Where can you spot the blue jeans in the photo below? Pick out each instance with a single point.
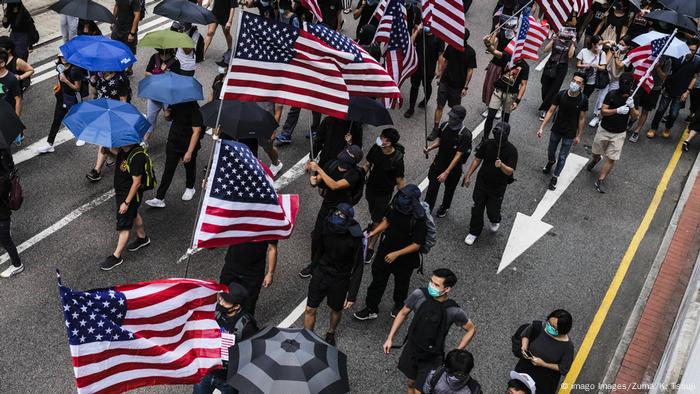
(666, 101)
(213, 380)
(554, 139)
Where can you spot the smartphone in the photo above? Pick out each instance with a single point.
(528, 354)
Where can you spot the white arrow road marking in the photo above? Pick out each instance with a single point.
(540, 66)
(529, 229)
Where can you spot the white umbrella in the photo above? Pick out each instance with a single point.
(676, 48)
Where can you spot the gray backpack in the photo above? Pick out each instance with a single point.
(430, 227)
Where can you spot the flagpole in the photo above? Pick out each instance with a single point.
(425, 93)
(511, 17)
(653, 64)
(191, 249)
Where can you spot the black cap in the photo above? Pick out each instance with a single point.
(458, 112)
(351, 154)
(237, 294)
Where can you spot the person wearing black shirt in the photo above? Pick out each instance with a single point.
(433, 49)
(331, 10)
(130, 168)
(676, 90)
(403, 230)
(7, 166)
(496, 44)
(508, 90)
(127, 15)
(332, 136)
(454, 144)
(569, 112)
(18, 19)
(562, 48)
(338, 268)
(183, 145)
(498, 159)
(336, 181)
(455, 70)
(223, 10)
(11, 87)
(617, 109)
(162, 61)
(364, 11)
(245, 264)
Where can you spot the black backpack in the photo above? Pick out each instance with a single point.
(429, 326)
(464, 134)
(515, 339)
(473, 385)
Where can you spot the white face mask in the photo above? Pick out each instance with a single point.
(509, 34)
(379, 142)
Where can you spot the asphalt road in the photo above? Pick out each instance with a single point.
(571, 267)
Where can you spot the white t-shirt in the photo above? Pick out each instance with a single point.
(187, 62)
(586, 56)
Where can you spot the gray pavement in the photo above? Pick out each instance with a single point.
(569, 268)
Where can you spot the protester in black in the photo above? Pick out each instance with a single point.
(223, 10)
(425, 341)
(11, 88)
(403, 231)
(7, 166)
(508, 90)
(498, 159)
(496, 44)
(130, 169)
(246, 263)
(332, 136)
(385, 169)
(455, 70)
(569, 112)
(454, 376)
(336, 182)
(429, 48)
(331, 10)
(364, 11)
(454, 144)
(337, 269)
(22, 29)
(183, 145)
(562, 48)
(127, 15)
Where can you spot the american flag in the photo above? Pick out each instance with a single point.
(642, 57)
(144, 334)
(558, 11)
(530, 37)
(446, 20)
(240, 203)
(317, 69)
(312, 5)
(400, 57)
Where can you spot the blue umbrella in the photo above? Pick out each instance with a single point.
(98, 53)
(107, 122)
(170, 88)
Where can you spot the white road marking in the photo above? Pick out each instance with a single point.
(60, 224)
(294, 316)
(30, 152)
(540, 66)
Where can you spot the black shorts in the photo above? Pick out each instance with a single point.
(415, 365)
(647, 101)
(333, 288)
(378, 205)
(448, 94)
(125, 221)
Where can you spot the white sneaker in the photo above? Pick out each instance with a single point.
(45, 149)
(495, 227)
(144, 144)
(485, 113)
(188, 194)
(157, 202)
(469, 240)
(499, 114)
(594, 122)
(276, 168)
(79, 143)
(12, 271)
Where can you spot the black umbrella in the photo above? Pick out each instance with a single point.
(672, 18)
(83, 9)
(690, 8)
(240, 119)
(11, 125)
(184, 11)
(287, 360)
(10, 1)
(369, 111)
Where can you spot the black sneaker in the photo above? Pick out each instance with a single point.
(306, 272)
(138, 243)
(395, 311)
(591, 164)
(421, 104)
(330, 338)
(370, 254)
(433, 134)
(110, 162)
(685, 146)
(600, 186)
(365, 314)
(110, 262)
(548, 167)
(442, 212)
(93, 176)
(409, 112)
(552, 183)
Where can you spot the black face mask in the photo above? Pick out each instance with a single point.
(222, 312)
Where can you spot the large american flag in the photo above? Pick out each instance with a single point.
(445, 18)
(144, 334)
(312, 5)
(642, 57)
(400, 57)
(316, 69)
(530, 37)
(240, 203)
(558, 11)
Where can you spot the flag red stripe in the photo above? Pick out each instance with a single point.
(264, 72)
(158, 297)
(135, 286)
(281, 99)
(227, 241)
(233, 213)
(153, 381)
(173, 313)
(216, 229)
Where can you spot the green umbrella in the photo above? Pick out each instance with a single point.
(163, 39)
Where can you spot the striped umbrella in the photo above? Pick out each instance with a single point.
(287, 360)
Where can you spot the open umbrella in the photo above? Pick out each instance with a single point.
(240, 119)
(98, 53)
(676, 48)
(672, 18)
(83, 9)
(368, 111)
(163, 39)
(106, 122)
(184, 11)
(10, 1)
(11, 125)
(170, 88)
(287, 360)
(690, 8)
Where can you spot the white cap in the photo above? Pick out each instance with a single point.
(525, 379)
(59, 54)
